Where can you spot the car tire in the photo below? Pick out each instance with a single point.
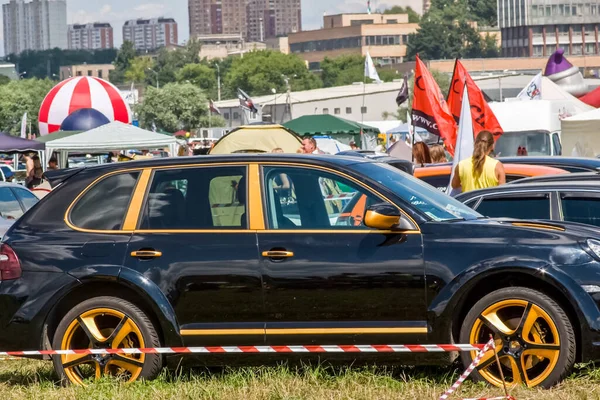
(533, 336)
(106, 322)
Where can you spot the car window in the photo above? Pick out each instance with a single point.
(439, 182)
(582, 209)
(313, 199)
(471, 203)
(104, 205)
(557, 144)
(196, 198)
(537, 207)
(9, 205)
(27, 198)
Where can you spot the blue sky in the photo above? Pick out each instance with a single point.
(118, 11)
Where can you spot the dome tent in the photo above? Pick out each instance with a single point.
(257, 139)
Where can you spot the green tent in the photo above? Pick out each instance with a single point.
(325, 124)
(56, 135)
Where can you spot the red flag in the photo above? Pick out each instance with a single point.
(430, 111)
(483, 116)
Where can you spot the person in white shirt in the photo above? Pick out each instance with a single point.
(309, 146)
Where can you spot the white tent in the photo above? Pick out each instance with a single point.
(581, 134)
(113, 136)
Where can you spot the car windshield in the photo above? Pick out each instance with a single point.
(425, 198)
(536, 143)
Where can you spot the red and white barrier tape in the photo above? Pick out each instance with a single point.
(376, 348)
(489, 345)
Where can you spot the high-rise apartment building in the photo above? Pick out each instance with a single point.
(273, 18)
(98, 35)
(37, 25)
(151, 34)
(210, 17)
(538, 27)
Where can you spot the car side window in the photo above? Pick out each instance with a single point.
(439, 182)
(9, 205)
(557, 144)
(522, 207)
(578, 207)
(303, 198)
(196, 198)
(26, 197)
(104, 205)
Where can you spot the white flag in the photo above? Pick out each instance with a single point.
(533, 91)
(370, 71)
(464, 141)
(24, 126)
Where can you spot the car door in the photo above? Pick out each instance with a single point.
(332, 280)
(533, 205)
(580, 206)
(193, 241)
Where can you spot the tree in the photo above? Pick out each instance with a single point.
(173, 107)
(122, 62)
(490, 46)
(138, 69)
(484, 11)
(19, 97)
(445, 33)
(200, 75)
(342, 70)
(258, 72)
(413, 17)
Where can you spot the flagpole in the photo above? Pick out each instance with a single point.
(362, 114)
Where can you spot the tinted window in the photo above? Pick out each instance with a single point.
(27, 198)
(438, 182)
(312, 199)
(516, 207)
(9, 205)
(196, 198)
(103, 207)
(557, 144)
(585, 210)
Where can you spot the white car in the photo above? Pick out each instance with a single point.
(15, 200)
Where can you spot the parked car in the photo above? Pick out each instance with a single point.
(202, 251)
(570, 164)
(438, 175)
(403, 165)
(561, 201)
(15, 200)
(536, 143)
(573, 177)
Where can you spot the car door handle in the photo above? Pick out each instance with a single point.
(146, 254)
(278, 254)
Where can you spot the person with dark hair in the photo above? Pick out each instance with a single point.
(480, 170)
(53, 163)
(34, 177)
(421, 154)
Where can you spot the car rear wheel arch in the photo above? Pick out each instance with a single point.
(490, 283)
(89, 290)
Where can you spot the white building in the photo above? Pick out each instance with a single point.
(37, 25)
(98, 35)
(356, 102)
(150, 34)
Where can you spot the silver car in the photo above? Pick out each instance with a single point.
(15, 200)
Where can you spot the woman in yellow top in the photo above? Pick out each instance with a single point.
(480, 170)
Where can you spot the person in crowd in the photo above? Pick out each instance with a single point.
(421, 154)
(309, 146)
(34, 178)
(438, 154)
(480, 170)
(28, 158)
(353, 145)
(53, 163)
(282, 182)
(380, 148)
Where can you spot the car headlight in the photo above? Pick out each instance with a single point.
(594, 246)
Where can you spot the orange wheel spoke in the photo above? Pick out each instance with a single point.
(88, 324)
(131, 365)
(518, 371)
(72, 360)
(493, 321)
(489, 358)
(530, 316)
(124, 329)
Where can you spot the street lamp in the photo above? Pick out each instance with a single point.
(218, 82)
(155, 73)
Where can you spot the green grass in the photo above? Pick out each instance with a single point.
(24, 379)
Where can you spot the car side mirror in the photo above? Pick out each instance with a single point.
(384, 216)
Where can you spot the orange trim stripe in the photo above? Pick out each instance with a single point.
(301, 331)
(137, 201)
